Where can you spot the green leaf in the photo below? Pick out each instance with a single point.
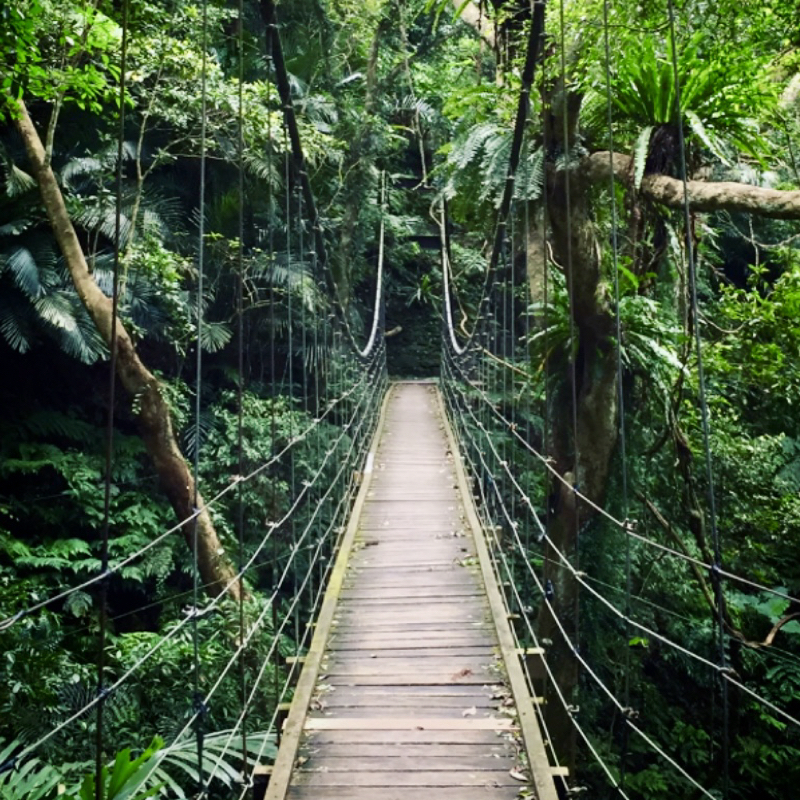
(641, 151)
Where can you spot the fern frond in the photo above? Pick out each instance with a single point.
(640, 153)
(214, 336)
(709, 139)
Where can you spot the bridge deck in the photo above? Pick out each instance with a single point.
(410, 693)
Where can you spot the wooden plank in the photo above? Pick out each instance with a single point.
(421, 692)
(398, 723)
(454, 667)
(388, 761)
(385, 651)
(385, 706)
(374, 641)
(432, 710)
(395, 736)
(406, 793)
(485, 779)
(404, 679)
(450, 750)
(470, 614)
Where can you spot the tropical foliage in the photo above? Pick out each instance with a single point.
(406, 89)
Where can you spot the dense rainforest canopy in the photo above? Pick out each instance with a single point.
(649, 346)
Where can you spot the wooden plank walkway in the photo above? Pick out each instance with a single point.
(409, 691)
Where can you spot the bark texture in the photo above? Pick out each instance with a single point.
(154, 417)
(703, 195)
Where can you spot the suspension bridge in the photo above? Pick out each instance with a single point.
(418, 664)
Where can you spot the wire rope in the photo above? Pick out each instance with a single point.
(722, 670)
(111, 413)
(574, 341)
(704, 413)
(240, 368)
(234, 483)
(584, 663)
(195, 632)
(195, 612)
(620, 386)
(627, 526)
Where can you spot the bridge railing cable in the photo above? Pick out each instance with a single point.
(498, 504)
(235, 483)
(511, 428)
(492, 482)
(581, 577)
(355, 429)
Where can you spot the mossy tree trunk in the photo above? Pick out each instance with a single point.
(153, 413)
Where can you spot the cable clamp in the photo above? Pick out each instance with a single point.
(630, 525)
(199, 705)
(630, 713)
(8, 765)
(13, 620)
(193, 612)
(103, 693)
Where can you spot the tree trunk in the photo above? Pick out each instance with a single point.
(154, 417)
(582, 447)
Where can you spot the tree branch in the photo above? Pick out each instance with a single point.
(703, 195)
(471, 14)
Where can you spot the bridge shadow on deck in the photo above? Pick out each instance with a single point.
(406, 690)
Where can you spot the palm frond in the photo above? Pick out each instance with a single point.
(24, 270)
(214, 336)
(16, 324)
(34, 780)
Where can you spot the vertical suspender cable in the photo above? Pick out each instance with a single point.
(290, 365)
(620, 390)
(304, 341)
(546, 443)
(240, 385)
(198, 698)
(712, 511)
(271, 205)
(567, 155)
(109, 444)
